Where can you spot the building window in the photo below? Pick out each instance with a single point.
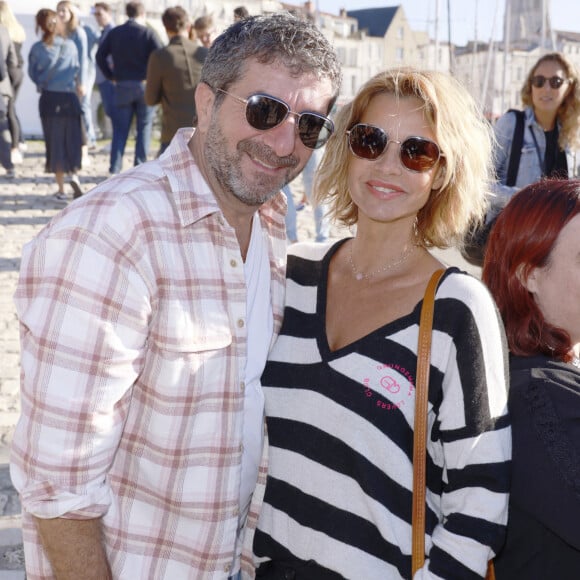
(401, 32)
(400, 54)
(352, 57)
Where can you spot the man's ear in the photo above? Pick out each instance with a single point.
(204, 99)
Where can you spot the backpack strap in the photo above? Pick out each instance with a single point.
(516, 148)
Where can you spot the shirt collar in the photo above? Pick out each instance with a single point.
(193, 196)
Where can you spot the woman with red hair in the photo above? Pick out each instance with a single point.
(532, 268)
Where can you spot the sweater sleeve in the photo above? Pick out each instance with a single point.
(470, 432)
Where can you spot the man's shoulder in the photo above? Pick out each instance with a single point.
(200, 53)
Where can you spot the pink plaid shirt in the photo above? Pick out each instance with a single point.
(132, 307)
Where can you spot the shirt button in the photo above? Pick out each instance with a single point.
(242, 386)
(241, 323)
(236, 512)
(227, 567)
(220, 220)
(233, 263)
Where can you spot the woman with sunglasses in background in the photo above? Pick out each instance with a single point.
(408, 165)
(532, 269)
(551, 99)
(537, 142)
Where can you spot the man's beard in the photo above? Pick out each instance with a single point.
(227, 169)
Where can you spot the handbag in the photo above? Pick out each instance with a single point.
(420, 428)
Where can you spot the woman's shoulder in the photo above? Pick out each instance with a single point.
(540, 369)
(463, 286)
(79, 33)
(37, 47)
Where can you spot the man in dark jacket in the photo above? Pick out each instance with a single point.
(172, 75)
(129, 46)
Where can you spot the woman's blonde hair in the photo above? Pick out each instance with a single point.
(73, 23)
(569, 111)
(15, 29)
(462, 133)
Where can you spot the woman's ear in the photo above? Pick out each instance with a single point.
(529, 281)
(204, 99)
(439, 176)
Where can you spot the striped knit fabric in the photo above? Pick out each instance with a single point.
(340, 425)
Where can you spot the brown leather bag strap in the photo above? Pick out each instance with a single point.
(420, 428)
(420, 425)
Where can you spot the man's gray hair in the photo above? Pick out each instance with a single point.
(280, 37)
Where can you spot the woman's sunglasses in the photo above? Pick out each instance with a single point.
(556, 82)
(370, 142)
(264, 112)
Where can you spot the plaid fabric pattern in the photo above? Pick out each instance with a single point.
(132, 310)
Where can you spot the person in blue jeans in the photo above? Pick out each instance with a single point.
(129, 45)
(321, 219)
(104, 18)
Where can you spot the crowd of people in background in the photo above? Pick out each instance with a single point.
(110, 73)
(134, 88)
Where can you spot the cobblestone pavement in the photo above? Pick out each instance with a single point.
(27, 203)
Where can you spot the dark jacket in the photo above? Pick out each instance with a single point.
(129, 45)
(543, 537)
(172, 75)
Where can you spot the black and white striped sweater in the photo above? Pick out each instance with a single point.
(340, 427)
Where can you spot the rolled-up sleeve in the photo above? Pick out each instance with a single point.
(83, 324)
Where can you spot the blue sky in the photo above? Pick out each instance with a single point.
(565, 15)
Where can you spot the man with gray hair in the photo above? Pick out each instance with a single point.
(147, 311)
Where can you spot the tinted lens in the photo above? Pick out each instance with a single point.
(540, 80)
(419, 154)
(314, 130)
(263, 112)
(367, 142)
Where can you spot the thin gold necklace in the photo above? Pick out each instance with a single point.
(368, 275)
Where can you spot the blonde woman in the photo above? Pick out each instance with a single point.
(68, 13)
(17, 36)
(408, 165)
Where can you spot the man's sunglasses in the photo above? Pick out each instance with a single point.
(264, 112)
(556, 82)
(370, 142)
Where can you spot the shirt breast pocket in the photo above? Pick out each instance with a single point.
(183, 328)
(188, 373)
